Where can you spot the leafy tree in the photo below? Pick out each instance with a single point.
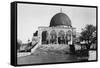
(19, 43)
(87, 35)
(35, 34)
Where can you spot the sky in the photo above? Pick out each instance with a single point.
(31, 16)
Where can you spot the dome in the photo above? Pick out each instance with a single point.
(60, 19)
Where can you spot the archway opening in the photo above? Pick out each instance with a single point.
(61, 37)
(44, 37)
(53, 39)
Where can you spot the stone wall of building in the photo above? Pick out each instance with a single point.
(66, 30)
(54, 46)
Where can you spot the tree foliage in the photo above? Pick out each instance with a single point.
(35, 34)
(19, 43)
(87, 35)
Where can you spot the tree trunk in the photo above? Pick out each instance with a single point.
(88, 48)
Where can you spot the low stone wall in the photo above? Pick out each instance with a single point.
(21, 54)
(92, 55)
(55, 47)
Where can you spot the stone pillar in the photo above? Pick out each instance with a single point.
(71, 38)
(57, 38)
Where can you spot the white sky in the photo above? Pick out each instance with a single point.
(30, 16)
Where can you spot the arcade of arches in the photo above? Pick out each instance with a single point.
(55, 36)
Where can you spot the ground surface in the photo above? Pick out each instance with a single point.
(52, 57)
(32, 59)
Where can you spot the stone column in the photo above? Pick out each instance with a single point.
(71, 39)
(39, 35)
(57, 38)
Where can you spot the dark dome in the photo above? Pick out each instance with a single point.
(60, 19)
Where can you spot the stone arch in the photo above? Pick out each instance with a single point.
(44, 37)
(69, 32)
(61, 37)
(53, 37)
(68, 35)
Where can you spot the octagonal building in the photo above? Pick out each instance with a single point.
(59, 34)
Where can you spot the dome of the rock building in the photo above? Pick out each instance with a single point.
(60, 19)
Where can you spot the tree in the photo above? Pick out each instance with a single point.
(87, 35)
(19, 43)
(35, 34)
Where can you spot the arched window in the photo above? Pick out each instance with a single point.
(53, 37)
(61, 37)
(44, 37)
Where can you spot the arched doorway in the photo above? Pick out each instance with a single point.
(61, 37)
(53, 37)
(68, 36)
(44, 37)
